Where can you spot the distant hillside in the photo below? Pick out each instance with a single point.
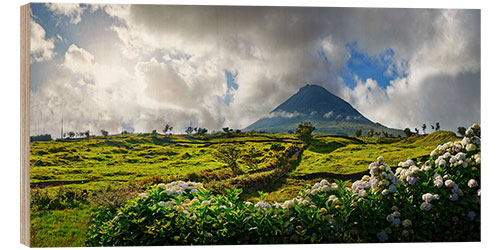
(327, 112)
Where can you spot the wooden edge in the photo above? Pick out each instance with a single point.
(25, 123)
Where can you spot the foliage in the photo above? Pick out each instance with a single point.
(359, 132)
(201, 131)
(370, 132)
(408, 132)
(461, 131)
(229, 155)
(251, 157)
(435, 200)
(167, 128)
(104, 133)
(304, 132)
(63, 198)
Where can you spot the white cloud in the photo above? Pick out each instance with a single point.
(283, 114)
(328, 114)
(78, 60)
(72, 10)
(41, 48)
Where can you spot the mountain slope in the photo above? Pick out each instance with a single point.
(328, 113)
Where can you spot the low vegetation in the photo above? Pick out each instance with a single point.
(105, 174)
(433, 200)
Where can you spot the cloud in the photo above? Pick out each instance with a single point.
(328, 114)
(41, 49)
(78, 60)
(72, 10)
(283, 114)
(174, 60)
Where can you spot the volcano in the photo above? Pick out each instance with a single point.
(329, 113)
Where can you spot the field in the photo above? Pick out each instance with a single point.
(73, 178)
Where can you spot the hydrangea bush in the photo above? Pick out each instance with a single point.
(433, 200)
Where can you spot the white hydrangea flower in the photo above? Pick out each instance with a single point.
(382, 236)
(470, 147)
(425, 206)
(469, 131)
(380, 159)
(289, 204)
(392, 188)
(472, 183)
(428, 197)
(449, 183)
(362, 193)
(325, 188)
(406, 223)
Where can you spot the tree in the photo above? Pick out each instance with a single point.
(87, 134)
(201, 131)
(359, 132)
(124, 132)
(189, 130)
(370, 132)
(229, 155)
(407, 132)
(167, 128)
(461, 131)
(304, 132)
(104, 133)
(226, 130)
(438, 127)
(71, 134)
(416, 131)
(424, 127)
(432, 126)
(154, 132)
(386, 134)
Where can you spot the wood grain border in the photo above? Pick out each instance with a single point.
(25, 124)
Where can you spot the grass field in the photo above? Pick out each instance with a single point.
(113, 169)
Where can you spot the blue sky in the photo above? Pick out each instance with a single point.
(137, 67)
(379, 67)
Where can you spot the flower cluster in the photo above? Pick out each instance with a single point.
(178, 187)
(381, 179)
(427, 198)
(394, 218)
(262, 205)
(321, 187)
(408, 171)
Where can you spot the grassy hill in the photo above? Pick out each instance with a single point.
(73, 178)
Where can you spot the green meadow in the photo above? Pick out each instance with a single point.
(73, 178)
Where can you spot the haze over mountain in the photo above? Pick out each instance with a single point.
(329, 114)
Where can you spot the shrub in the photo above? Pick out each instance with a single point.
(304, 132)
(230, 156)
(63, 198)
